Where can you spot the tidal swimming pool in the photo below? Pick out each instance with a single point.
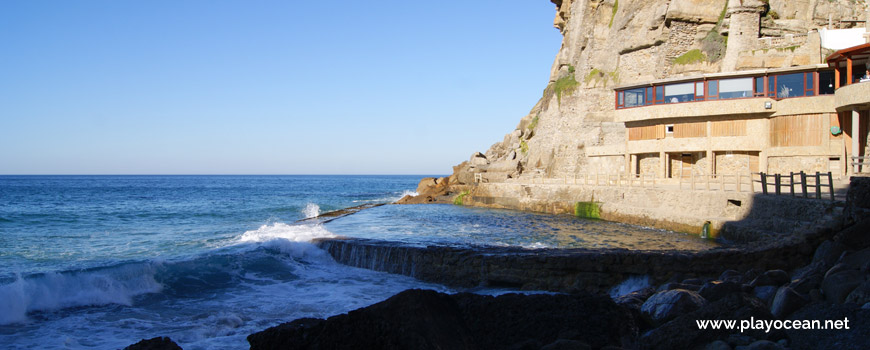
(452, 225)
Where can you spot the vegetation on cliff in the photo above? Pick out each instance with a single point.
(459, 198)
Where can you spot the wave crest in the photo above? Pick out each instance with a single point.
(52, 291)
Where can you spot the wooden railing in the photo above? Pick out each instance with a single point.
(861, 164)
(718, 182)
(800, 181)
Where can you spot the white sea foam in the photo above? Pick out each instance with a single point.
(631, 284)
(53, 291)
(292, 233)
(311, 210)
(409, 193)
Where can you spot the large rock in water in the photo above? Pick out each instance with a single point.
(159, 343)
(420, 319)
(667, 305)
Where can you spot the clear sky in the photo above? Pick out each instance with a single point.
(265, 87)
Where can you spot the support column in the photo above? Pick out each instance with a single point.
(856, 136)
(711, 163)
(849, 70)
(663, 162)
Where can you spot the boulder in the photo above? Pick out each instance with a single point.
(478, 159)
(856, 236)
(715, 290)
(667, 305)
(855, 338)
(786, 301)
(765, 293)
(860, 295)
(682, 332)
(670, 286)
(857, 260)
(858, 200)
(566, 344)
(839, 282)
(828, 253)
(718, 345)
(761, 345)
(422, 319)
(159, 343)
(731, 276)
(635, 300)
(770, 278)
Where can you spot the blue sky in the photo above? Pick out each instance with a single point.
(265, 87)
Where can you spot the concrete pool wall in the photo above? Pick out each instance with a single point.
(736, 216)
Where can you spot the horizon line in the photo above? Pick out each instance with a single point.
(240, 174)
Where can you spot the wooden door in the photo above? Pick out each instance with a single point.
(686, 165)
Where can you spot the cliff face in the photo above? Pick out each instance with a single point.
(614, 42)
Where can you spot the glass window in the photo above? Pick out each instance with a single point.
(790, 85)
(699, 89)
(771, 86)
(634, 97)
(826, 82)
(809, 82)
(759, 86)
(649, 96)
(620, 98)
(660, 94)
(735, 88)
(675, 93)
(712, 89)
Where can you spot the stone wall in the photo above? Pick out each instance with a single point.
(738, 216)
(558, 270)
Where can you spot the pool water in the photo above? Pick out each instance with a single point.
(452, 225)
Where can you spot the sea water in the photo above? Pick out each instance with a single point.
(104, 261)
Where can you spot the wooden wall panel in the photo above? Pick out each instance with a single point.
(651, 132)
(690, 130)
(798, 130)
(729, 128)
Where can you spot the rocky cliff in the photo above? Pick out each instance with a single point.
(571, 130)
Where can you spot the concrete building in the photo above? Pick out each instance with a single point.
(811, 116)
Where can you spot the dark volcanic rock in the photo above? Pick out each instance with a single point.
(667, 305)
(765, 293)
(682, 332)
(159, 343)
(856, 337)
(419, 319)
(786, 301)
(635, 300)
(838, 283)
(771, 278)
(860, 295)
(715, 290)
(731, 276)
(761, 345)
(828, 253)
(672, 286)
(414, 319)
(856, 236)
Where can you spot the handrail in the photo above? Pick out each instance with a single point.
(804, 185)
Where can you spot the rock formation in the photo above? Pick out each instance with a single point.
(571, 130)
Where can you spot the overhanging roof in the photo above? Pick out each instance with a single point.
(854, 52)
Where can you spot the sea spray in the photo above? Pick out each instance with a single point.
(58, 290)
(631, 284)
(311, 210)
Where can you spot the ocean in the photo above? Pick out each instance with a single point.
(104, 261)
